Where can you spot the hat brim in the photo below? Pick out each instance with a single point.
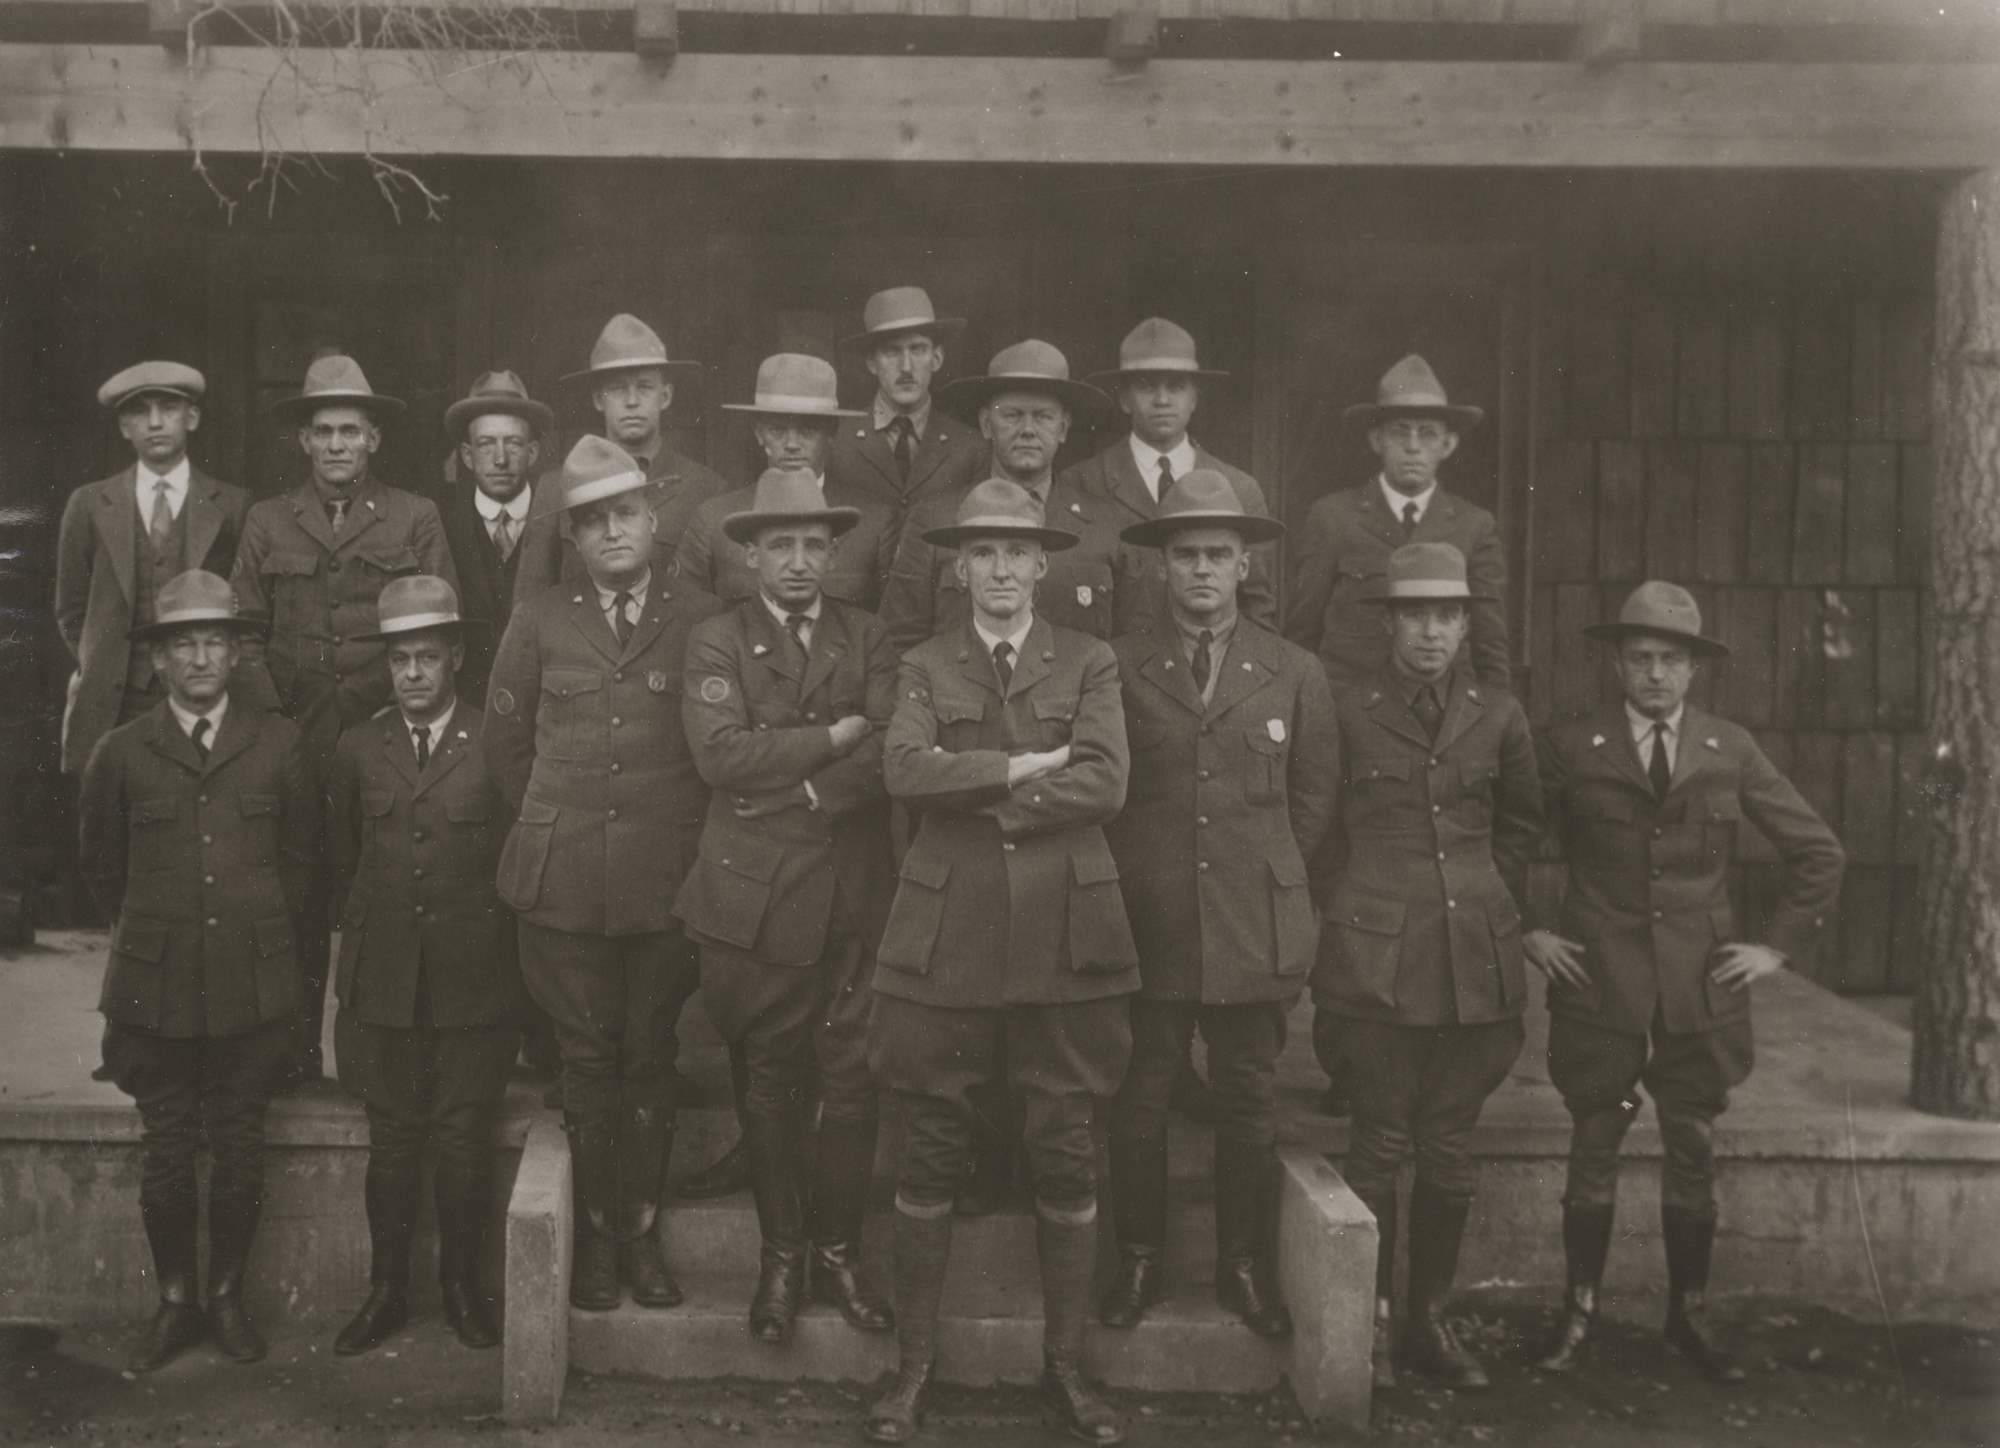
(305, 403)
(831, 414)
(677, 364)
(941, 329)
(1158, 532)
(598, 489)
(421, 626)
(1112, 376)
(1425, 593)
(153, 389)
(964, 397)
(1612, 633)
(166, 628)
(1367, 414)
(466, 408)
(1055, 540)
(745, 526)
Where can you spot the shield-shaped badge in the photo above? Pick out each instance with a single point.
(1276, 729)
(1083, 595)
(656, 680)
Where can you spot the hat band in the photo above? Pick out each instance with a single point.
(795, 404)
(1419, 588)
(902, 324)
(412, 622)
(617, 362)
(1001, 523)
(1159, 364)
(196, 613)
(605, 487)
(1414, 399)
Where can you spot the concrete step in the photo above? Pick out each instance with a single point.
(992, 1333)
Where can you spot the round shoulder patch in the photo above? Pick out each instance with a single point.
(714, 689)
(503, 701)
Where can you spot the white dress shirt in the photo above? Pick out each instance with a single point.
(1642, 735)
(515, 508)
(145, 481)
(435, 729)
(1015, 639)
(187, 719)
(607, 599)
(783, 615)
(1180, 455)
(1399, 501)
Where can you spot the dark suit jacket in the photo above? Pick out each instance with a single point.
(1007, 897)
(1113, 477)
(1344, 552)
(949, 458)
(96, 561)
(414, 857)
(207, 866)
(485, 585)
(1433, 841)
(757, 716)
(1649, 880)
(1227, 802)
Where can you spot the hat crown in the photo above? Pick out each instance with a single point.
(1157, 344)
(897, 307)
(501, 384)
(335, 375)
(1656, 604)
(598, 468)
(795, 381)
(1201, 491)
(627, 342)
(417, 600)
(1030, 359)
(1411, 383)
(787, 493)
(195, 596)
(1426, 564)
(176, 379)
(1001, 503)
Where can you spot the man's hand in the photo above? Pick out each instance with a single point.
(848, 732)
(758, 803)
(1027, 768)
(1740, 962)
(1559, 959)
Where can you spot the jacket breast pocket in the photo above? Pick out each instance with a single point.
(1100, 933)
(1264, 763)
(153, 848)
(260, 811)
(278, 991)
(572, 715)
(731, 890)
(390, 562)
(526, 856)
(910, 938)
(1368, 773)
(958, 720)
(1368, 938)
(1054, 719)
(1475, 780)
(1294, 925)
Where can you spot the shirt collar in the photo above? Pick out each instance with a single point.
(1219, 636)
(436, 725)
(1017, 638)
(920, 420)
(607, 596)
(185, 718)
(1399, 501)
(144, 479)
(515, 507)
(1181, 455)
(1408, 684)
(779, 612)
(1642, 727)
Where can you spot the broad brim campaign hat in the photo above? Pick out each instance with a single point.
(1201, 498)
(1663, 610)
(998, 508)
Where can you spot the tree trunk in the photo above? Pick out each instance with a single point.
(1955, 1070)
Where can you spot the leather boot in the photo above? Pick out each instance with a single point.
(1690, 1242)
(729, 1172)
(593, 1280)
(843, 1162)
(645, 1145)
(923, 1251)
(1382, 1350)
(1586, 1243)
(178, 1325)
(232, 1225)
(1139, 1208)
(774, 1183)
(1430, 1344)
(390, 1195)
(1245, 1179)
(462, 1207)
(1067, 1251)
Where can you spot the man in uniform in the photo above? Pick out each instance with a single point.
(1649, 979)
(425, 1033)
(315, 559)
(125, 535)
(787, 697)
(583, 733)
(904, 448)
(632, 388)
(1235, 764)
(1349, 535)
(1024, 406)
(200, 833)
(1157, 384)
(1420, 977)
(1007, 936)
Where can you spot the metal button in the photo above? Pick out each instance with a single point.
(616, 721)
(1656, 872)
(618, 676)
(208, 879)
(333, 566)
(611, 813)
(338, 640)
(1202, 866)
(418, 872)
(418, 836)
(616, 767)
(812, 718)
(213, 921)
(1659, 914)
(208, 839)
(1434, 764)
(1451, 904)
(1201, 819)
(1006, 844)
(1437, 809)
(1440, 854)
(1201, 774)
(201, 799)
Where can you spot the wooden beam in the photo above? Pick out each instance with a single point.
(898, 108)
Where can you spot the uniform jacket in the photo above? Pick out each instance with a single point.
(96, 562)
(1007, 896)
(585, 740)
(1226, 803)
(320, 593)
(207, 868)
(485, 583)
(546, 556)
(1648, 881)
(1432, 846)
(1113, 477)
(949, 458)
(757, 716)
(1345, 551)
(414, 856)
(709, 560)
(1084, 589)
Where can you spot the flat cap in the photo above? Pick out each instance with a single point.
(176, 379)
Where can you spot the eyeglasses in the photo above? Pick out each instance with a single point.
(512, 446)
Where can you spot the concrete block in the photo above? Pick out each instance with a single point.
(535, 1360)
(1326, 1264)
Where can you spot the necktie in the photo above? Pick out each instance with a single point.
(621, 626)
(503, 535)
(1429, 712)
(161, 524)
(1203, 663)
(421, 737)
(1656, 768)
(1410, 516)
(797, 622)
(200, 736)
(902, 442)
(1003, 664)
(1166, 478)
(336, 512)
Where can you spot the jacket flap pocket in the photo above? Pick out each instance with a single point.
(154, 811)
(1477, 771)
(1093, 867)
(293, 565)
(1057, 708)
(141, 940)
(257, 804)
(1376, 914)
(1289, 871)
(746, 856)
(377, 802)
(567, 683)
(469, 811)
(274, 936)
(1380, 769)
(921, 867)
(390, 560)
(1260, 738)
(955, 710)
(538, 812)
